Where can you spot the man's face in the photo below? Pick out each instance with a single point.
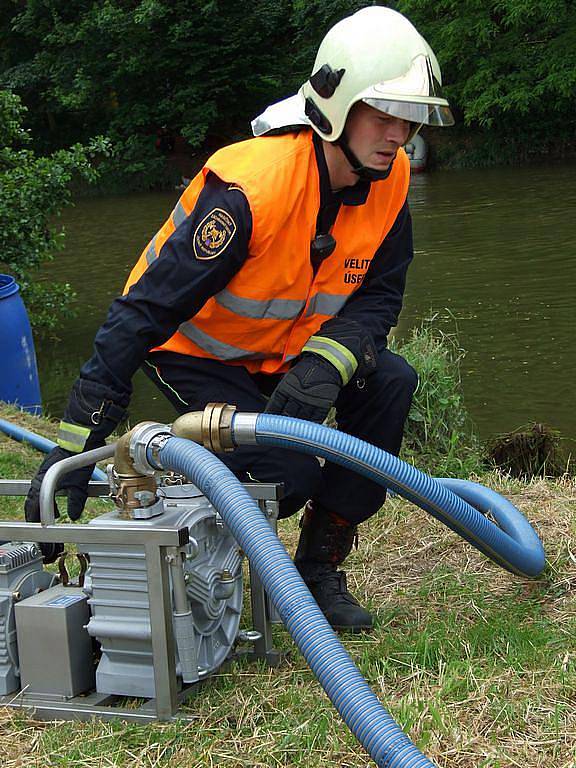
(374, 136)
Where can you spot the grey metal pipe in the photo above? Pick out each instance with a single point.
(21, 487)
(56, 471)
(98, 627)
(181, 604)
(184, 634)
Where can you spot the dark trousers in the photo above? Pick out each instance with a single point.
(374, 410)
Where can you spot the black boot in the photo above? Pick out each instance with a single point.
(325, 542)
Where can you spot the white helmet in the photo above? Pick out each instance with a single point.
(376, 56)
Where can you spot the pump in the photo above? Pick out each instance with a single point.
(163, 596)
(158, 608)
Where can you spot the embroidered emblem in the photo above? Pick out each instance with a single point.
(214, 234)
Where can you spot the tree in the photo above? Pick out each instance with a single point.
(33, 190)
(125, 69)
(201, 69)
(509, 65)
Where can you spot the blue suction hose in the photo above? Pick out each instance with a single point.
(459, 504)
(374, 728)
(39, 442)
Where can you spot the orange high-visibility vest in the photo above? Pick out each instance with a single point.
(272, 306)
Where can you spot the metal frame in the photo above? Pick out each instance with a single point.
(156, 543)
(264, 613)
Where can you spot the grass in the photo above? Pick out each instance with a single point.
(439, 436)
(477, 665)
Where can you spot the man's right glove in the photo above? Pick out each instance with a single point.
(93, 413)
(307, 391)
(340, 350)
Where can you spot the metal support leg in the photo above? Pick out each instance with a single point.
(263, 612)
(272, 508)
(163, 650)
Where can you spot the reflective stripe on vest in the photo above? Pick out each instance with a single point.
(151, 250)
(326, 304)
(179, 214)
(213, 346)
(275, 303)
(217, 348)
(273, 309)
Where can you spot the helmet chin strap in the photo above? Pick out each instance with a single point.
(362, 171)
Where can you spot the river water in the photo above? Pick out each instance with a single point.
(495, 262)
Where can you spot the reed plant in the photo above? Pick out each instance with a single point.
(440, 436)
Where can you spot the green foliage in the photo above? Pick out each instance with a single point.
(440, 437)
(204, 68)
(509, 66)
(33, 190)
(133, 165)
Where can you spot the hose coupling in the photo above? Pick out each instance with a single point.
(132, 476)
(211, 427)
(146, 439)
(131, 494)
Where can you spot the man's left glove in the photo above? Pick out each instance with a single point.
(340, 350)
(93, 413)
(76, 486)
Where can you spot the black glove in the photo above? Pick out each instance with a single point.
(74, 483)
(94, 411)
(329, 359)
(307, 391)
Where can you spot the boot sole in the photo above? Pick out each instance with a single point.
(355, 630)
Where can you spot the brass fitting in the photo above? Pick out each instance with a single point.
(123, 463)
(211, 427)
(130, 494)
(128, 481)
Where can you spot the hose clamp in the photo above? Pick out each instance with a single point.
(140, 442)
(244, 428)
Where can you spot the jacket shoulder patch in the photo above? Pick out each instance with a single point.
(214, 234)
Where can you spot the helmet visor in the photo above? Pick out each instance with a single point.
(421, 114)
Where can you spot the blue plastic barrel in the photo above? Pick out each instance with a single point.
(19, 373)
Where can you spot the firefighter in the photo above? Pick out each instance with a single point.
(273, 285)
